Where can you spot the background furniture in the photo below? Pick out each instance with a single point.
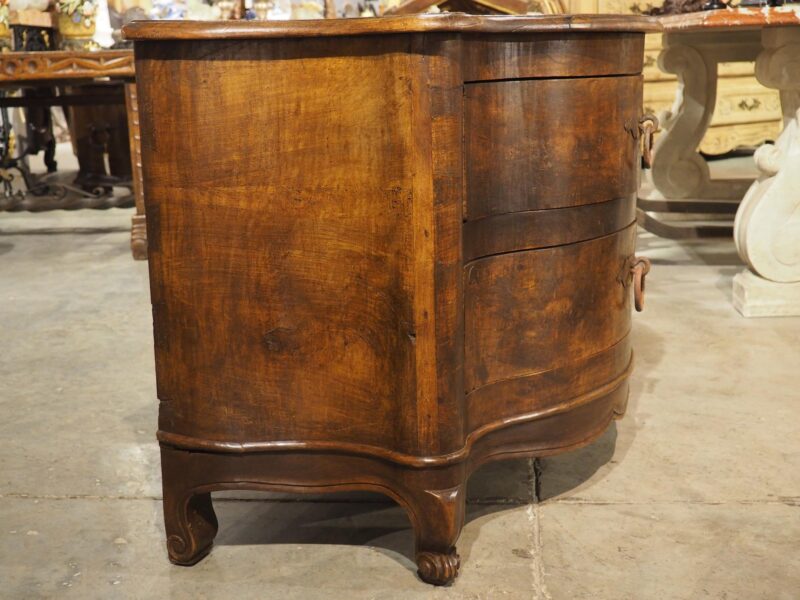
(77, 80)
(478, 7)
(415, 257)
(767, 227)
(744, 113)
(694, 44)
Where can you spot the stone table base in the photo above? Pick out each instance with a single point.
(757, 297)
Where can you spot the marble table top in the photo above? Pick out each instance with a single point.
(733, 18)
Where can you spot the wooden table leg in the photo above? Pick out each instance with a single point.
(138, 228)
(678, 169)
(767, 228)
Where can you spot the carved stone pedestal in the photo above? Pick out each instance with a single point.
(695, 45)
(754, 296)
(767, 227)
(679, 171)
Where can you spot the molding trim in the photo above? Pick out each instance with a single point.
(185, 442)
(17, 67)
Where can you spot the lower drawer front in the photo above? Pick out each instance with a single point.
(531, 312)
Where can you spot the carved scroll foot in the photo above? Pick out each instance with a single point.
(438, 516)
(139, 238)
(438, 568)
(189, 518)
(191, 526)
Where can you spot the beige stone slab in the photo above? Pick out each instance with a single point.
(714, 404)
(671, 551)
(100, 549)
(754, 296)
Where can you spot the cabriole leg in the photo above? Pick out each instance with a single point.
(189, 518)
(438, 516)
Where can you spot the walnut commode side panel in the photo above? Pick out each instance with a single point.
(385, 254)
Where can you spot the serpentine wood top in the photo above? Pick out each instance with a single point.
(20, 67)
(733, 18)
(449, 22)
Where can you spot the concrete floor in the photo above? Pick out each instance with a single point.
(694, 494)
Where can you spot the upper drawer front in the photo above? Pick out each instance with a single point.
(495, 57)
(550, 143)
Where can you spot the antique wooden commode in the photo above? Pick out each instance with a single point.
(384, 252)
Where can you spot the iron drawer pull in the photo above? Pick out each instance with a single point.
(639, 269)
(648, 125)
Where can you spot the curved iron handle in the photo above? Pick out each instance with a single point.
(648, 125)
(640, 267)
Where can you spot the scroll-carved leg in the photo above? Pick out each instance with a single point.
(434, 498)
(438, 518)
(139, 237)
(138, 231)
(767, 228)
(189, 518)
(191, 526)
(678, 169)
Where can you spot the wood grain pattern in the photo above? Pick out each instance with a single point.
(528, 230)
(552, 390)
(424, 23)
(514, 56)
(307, 237)
(445, 81)
(326, 314)
(528, 144)
(528, 312)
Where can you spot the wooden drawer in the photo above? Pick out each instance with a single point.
(724, 138)
(499, 57)
(744, 100)
(531, 229)
(550, 143)
(528, 313)
(746, 114)
(651, 70)
(622, 7)
(659, 96)
(739, 100)
(736, 69)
